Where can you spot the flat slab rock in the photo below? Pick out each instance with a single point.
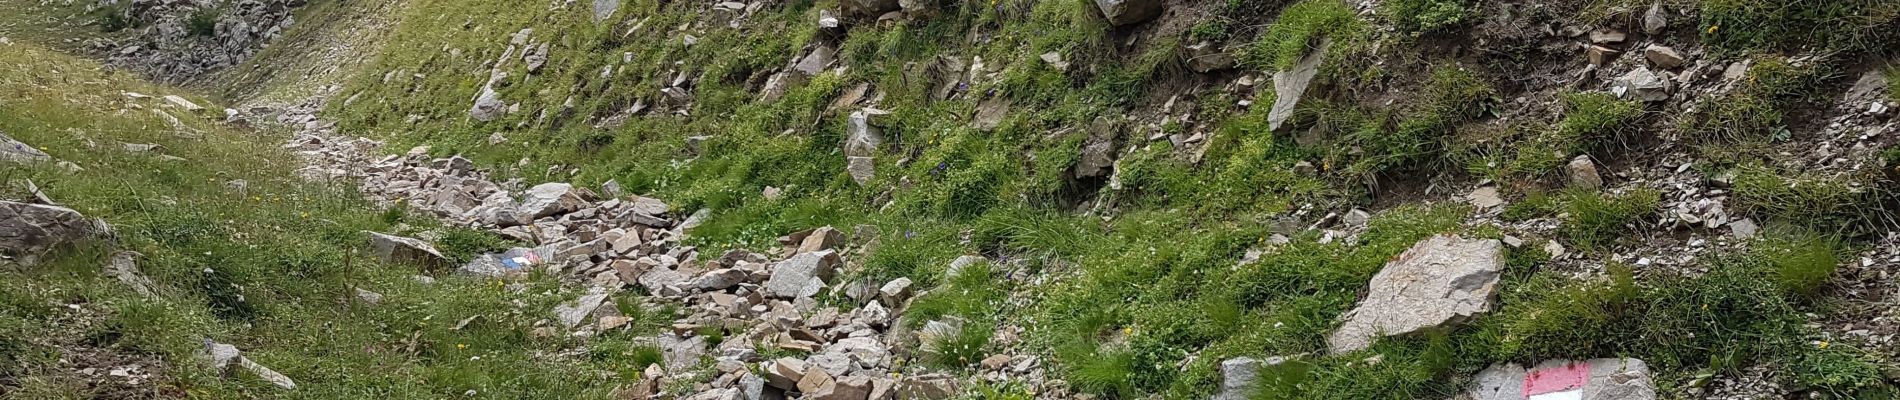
(1440, 281)
(1596, 379)
(29, 230)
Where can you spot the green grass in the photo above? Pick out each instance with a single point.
(1300, 27)
(1422, 16)
(1826, 203)
(268, 269)
(1736, 27)
(1759, 109)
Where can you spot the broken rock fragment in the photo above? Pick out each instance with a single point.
(28, 231)
(803, 275)
(1440, 281)
(405, 250)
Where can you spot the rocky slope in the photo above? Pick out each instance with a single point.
(1106, 199)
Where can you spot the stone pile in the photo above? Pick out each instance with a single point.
(177, 41)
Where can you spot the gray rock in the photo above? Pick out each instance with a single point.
(680, 353)
(895, 292)
(990, 113)
(1485, 197)
(1866, 89)
(956, 266)
(1655, 20)
(1238, 375)
(1440, 281)
(28, 231)
(222, 356)
(1643, 84)
(574, 313)
(604, 9)
(488, 104)
(1207, 56)
(823, 238)
(719, 279)
(1662, 56)
(931, 386)
(1583, 173)
(844, 388)
(1290, 84)
(406, 250)
(1097, 158)
(549, 199)
(1129, 12)
(657, 279)
(814, 63)
(124, 266)
(536, 57)
(861, 169)
(862, 139)
(16, 151)
(803, 275)
(1596, 379)
(369, 296)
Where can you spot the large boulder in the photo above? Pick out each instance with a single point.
(1596, 379)
(400, 249)
(803, 275)
(28, 231)
(1129, 12)
(1440, 281)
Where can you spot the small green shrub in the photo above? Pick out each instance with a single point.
(1552, 317)
(1422, 16)
(1596, 219)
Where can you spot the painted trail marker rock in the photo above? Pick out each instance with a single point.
(1595, 379)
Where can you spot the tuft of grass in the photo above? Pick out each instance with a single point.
(1803, 262)
(1824, 203)
(1424, 16)
(1596, 219)
(1758, 110)
(1743, 26)
(1300, 27)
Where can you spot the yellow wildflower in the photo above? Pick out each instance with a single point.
(461, 346)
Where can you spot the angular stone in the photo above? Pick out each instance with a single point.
(1129, 12)
(815, 62)
(16, 151)
(720, 279)
(1662, 56)
(124, 266)
(28, 231)
(406, 250)
(1440, 281)
(604, 9)
(784, 373)
(1238, 375)
(657, 279)
(895, 292)
(1290, 84)
(1206, 56)
(824, 238)
(1595, 379)
(681, 353)
(868, 8)
(932, 386)
(1485, 197)
(574, 313)
(845, 388)
(1643, 84)
(550, 199)
(1097, 158)
(1655, 20)
(1583, 173)
(861, 169)
(815, 379)
(862, 139)
(803, 275)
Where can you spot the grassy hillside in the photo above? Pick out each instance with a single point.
(243, 252)
(1130, 285)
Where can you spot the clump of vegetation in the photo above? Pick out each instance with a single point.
(1595, 218)
(1803, 262)
(1299, 28)
(1758, 109)
(112, 18)
(968, 303)
(203, 22)
(1826, 203)
(1741, 26)
(1452, 96)
(1423, 16)
(1841, 371)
